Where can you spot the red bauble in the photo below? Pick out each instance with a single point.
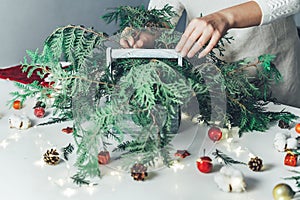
(215, 134)
(204, 164)
(297, 128)
(17, 105)
(290, 159)
(39, 112)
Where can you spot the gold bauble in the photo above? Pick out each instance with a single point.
(283, 191)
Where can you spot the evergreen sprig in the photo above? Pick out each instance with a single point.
(140, 17)
(81, 180)
(225, 158)
(67, 151)
(296, 177)
(142, 98)
(74, 43)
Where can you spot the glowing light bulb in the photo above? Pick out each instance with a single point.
(60, 182)
(4, 144)
(90, 189)
(40, 163)
(177, 166)
(15, 137)
(69, 192)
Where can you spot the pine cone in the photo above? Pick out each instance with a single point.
(51, 157)
(284, 125)
(255, 164)
(139, 172)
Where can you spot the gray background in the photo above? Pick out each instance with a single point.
(25, 24)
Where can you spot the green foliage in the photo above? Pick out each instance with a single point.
(26, 91)
(138, 104)
(296, 177)
(74, 43)
(139, 17)
(225, 158)
(67, 151)
(81, 180)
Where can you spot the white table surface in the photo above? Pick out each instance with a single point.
(25, 176)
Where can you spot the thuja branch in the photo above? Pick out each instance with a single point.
(88, 80)
(76, 27)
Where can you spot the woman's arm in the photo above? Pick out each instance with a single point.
(210, 28)
(275, 9)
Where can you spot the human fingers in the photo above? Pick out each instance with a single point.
(138, 44)
(127, 42)
(145, 40)
(204, 38)
(124, 43)
(185, 36)
(212, 43)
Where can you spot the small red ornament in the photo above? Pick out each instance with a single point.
(291, 159)
(67, 130)
(215, 134)
(204, 164)
(47, 84)
(103, 157)
(297, 128)
(17, 104)
(39, 112)
(182, 153)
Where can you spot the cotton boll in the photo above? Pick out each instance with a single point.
(291, 143)
(223, 182)
(281, 136)
(230, 179)
(237, 184)
(280, 145)
(19, 122)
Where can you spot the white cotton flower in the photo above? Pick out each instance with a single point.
(281, 136)
(285, 140)
(230, 179)
(291, 143)
(19, 122)
(280, 145)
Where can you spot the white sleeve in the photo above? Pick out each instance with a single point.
(274, 9)
(177, 7)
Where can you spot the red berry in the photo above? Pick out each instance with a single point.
(39, 112)
(17, 105)
(204, 164)
(215, 134)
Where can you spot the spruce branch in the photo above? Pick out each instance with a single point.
(67, 151)
(80, 180)
(225, 158)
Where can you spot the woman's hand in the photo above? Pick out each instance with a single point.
(201, 31)
(209, 29)
(137, 39)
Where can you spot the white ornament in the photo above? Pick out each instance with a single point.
(19, 122)
(230, 179)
